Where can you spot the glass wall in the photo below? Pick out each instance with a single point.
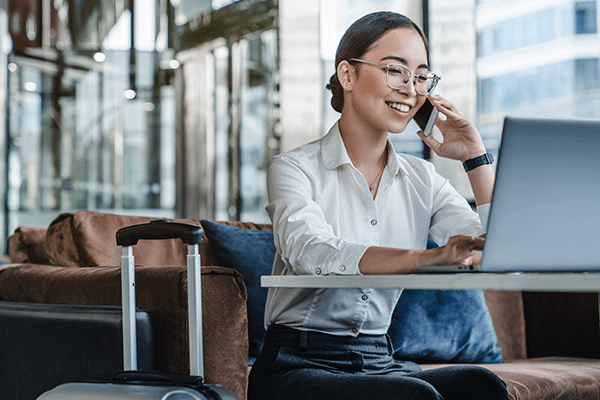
(538, 27)
(229, 108)
(78, 143)
(254, 62)
(538, 84)
(90, 123)
(541, 60)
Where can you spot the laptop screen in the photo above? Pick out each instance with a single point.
(545, 212)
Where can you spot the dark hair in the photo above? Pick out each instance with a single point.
(359, 38)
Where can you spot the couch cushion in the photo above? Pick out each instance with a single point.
(550, 378)
(26, 245)
(87, 239)
(251, 252)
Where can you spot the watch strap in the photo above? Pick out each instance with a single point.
(473, 163)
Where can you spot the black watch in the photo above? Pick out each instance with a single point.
(473, 163)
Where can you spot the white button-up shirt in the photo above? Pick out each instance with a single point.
(324, 219)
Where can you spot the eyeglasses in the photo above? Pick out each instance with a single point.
(398, 76)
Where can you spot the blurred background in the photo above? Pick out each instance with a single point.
(173, 108)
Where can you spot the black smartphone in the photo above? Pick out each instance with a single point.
(426, 117)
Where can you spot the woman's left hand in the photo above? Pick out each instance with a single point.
(461, 139)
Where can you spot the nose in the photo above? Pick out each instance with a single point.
(411, 86)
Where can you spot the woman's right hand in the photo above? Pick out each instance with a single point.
(460, 250)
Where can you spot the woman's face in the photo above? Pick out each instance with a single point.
(377, 105)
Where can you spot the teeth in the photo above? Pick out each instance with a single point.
(399, 107)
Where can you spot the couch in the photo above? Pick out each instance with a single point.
(550, 342)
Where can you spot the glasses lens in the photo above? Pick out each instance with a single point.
(398, 76)
(425, 83)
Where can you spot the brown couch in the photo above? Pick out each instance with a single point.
(550, 341)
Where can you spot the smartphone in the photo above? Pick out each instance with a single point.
(426, 117)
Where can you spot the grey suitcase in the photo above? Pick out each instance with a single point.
(133, 384)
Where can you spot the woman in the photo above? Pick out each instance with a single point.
(348, 204)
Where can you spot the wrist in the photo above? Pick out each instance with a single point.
(428, 257)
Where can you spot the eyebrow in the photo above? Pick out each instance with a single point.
(403, 61)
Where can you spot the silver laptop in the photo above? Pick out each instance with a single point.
(545, 212)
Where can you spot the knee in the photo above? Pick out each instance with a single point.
(484, 381)
(414, 390)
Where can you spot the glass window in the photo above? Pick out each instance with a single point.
(585, 17)
(79, 143)
(542, 26)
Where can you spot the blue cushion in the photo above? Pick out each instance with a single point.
(444, 326)
(251, 252)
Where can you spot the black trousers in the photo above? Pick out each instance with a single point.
(298, 365)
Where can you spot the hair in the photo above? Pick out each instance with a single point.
(358, 40)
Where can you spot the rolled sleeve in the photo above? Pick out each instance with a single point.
(347, 260)
(306, 244)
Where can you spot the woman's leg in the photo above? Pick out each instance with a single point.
(318, 384)
(465, 382)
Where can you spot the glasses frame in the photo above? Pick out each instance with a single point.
(429, 75)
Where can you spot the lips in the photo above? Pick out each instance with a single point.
(398, 106)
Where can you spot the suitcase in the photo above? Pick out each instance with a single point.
(133, 384)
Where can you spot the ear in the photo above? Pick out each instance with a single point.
(346, 75)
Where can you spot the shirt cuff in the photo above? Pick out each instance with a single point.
(484, 215)
(347, 264)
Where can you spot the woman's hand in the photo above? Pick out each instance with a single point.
(460, 250)
(461, 139)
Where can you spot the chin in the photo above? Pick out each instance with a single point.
(398, 128)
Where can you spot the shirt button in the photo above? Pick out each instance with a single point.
(365, 297)
(373, 222)
(342, 268)
(318, 271)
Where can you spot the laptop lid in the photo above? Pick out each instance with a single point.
(545, 213)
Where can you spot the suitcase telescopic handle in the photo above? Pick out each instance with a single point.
(191, 235)
(160, 229)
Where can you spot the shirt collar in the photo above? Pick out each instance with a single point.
(334, 152)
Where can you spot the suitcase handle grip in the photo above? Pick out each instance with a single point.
(160, 229)
(151, 376)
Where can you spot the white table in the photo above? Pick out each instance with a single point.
(544, 282)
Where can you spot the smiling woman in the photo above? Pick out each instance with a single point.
(348, 204)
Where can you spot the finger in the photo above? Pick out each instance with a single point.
(471, 260)
(478, 243)
(442, 104)
(430, 141)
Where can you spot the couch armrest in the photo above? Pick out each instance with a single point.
(163, 292)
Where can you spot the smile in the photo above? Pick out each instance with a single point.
(398, 107)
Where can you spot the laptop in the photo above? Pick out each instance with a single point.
(545, 211)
